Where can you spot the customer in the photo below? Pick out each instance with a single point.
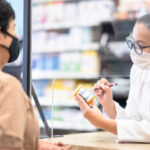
(19, 128)
(132, 123)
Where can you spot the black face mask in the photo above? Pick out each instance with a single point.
(14, 48)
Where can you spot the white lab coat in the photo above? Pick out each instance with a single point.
(133, 122)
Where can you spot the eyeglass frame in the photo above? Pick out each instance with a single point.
(130, 39)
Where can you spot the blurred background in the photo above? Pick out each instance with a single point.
(77, 42)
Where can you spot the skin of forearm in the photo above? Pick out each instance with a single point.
(108, 125)
(111, 111)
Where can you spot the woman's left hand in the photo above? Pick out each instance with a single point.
(93, 114)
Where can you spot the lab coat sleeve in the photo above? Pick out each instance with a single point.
(105, 114)
(120, 111)
(133, 131)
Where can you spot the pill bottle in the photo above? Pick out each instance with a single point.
(85, 94)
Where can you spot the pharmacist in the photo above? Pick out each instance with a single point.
(131, 124)
(18, 124)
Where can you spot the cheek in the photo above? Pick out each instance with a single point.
(147, 50)
(12, 31)
(1, 38)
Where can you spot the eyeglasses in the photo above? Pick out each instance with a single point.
(132, 45)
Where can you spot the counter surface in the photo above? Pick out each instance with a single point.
(99, 141)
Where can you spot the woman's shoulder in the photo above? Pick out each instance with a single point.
(139, 74)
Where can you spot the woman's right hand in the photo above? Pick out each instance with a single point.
(103, 92)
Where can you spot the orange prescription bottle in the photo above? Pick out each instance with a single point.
(85, 94)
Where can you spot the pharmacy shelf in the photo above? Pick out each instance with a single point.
(67, 24)
(44, 101)
(37, 2)
(83, 47)
(40, 75)
(70, 126)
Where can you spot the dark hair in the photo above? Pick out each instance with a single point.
(6, 13)
(145, 20)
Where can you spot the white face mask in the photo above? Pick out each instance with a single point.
(142, 61)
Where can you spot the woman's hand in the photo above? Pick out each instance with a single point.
(42, 145)
(93, 114)
(103, 91)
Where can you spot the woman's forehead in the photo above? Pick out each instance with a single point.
(141, 32)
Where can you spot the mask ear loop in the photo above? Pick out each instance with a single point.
(10, 35)
(4, 47)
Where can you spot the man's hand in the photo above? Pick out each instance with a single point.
(42, 145)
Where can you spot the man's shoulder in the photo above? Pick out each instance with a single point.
(8, 79)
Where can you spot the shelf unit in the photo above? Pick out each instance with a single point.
(85, 50)
(49, 75)
(82, 47)
(71, 126)
(67, 24)
(77, 29)
(38, 2)
(46, 101)
(78, 34)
